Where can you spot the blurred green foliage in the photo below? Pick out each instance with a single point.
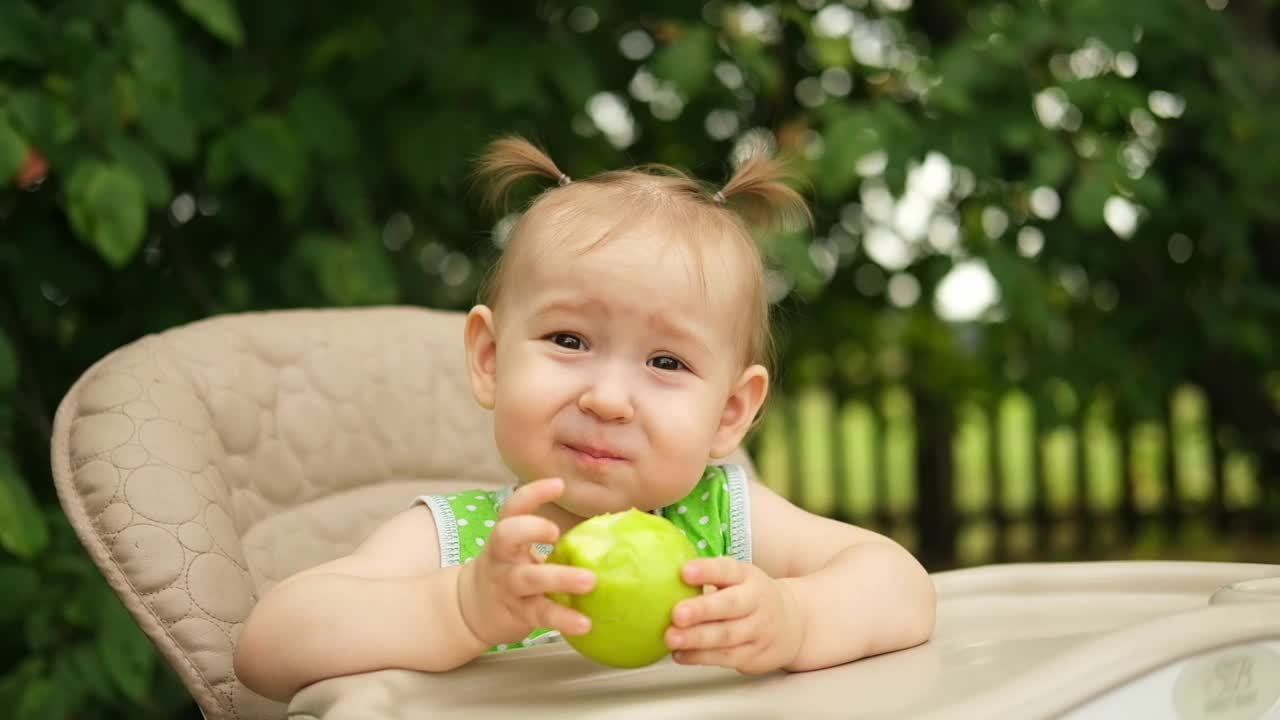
(1113, 167)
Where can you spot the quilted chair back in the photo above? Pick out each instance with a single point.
(205, 464)
(202, 465)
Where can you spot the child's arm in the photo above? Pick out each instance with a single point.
(819, 593)
(860, 592)
(388, 604)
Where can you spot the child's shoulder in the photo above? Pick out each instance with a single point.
(463, 521)
(466, 506)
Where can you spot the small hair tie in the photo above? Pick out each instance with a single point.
(564, 180)
(718, 197)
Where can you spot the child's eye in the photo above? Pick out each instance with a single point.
(666, 362)
(567, 341)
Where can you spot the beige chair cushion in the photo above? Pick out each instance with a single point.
(202, 465)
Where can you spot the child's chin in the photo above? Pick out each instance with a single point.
(588, 498)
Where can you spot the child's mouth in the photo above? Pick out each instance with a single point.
(593, 455)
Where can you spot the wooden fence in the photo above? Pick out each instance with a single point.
(1019, 477)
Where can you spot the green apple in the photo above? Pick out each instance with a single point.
(636, 558)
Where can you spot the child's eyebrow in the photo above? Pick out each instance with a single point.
(568, 304)
(678, 329)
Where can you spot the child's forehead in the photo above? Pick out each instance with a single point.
(632, 273)
(653, 232)
(652, 257)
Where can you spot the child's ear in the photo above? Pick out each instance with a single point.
(740, 410)
(482, 354)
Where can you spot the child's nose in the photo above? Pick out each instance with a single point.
(607, 397)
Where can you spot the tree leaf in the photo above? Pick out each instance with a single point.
(80, 604)
(13, 151)
(1051, 163)
(43, 117)
(72, 688)
(425, 162)
(20, 583)
(687, 62)
(323, 125)
(154, 51)
(849, 137)
(125, 651)
(144, 164)
(22, 528)
(88, 669)
(512, 80)
(8, 365)
(348, 196)
(269, 151)
(41, 698)
(830, 51)
(100, 104)
(762, 65)
(1089, 194)
(572, 72)
(23, 34)
(14, 681)
(350, 272)
(959, 70)
(219, 17)
(167, 124)
(221, 164)
(107, 209)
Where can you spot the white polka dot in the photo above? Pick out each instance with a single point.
(705, 495)
(703, 520)
(526, 642)
(702, 544)
(479, 497)
(468, 561)
(453, 497)
(462, 521)
(502, 646)
(472, 508)
(682, 509)
(480, 541)
(488, 523)
(726, 487)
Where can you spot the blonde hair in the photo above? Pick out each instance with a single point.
(756, 198)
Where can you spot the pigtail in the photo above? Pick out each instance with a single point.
(508, 160)
(760, 190)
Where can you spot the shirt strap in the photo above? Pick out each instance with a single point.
(739, 486)
(446, 528)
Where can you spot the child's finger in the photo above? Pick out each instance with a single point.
(513, 537)
(726, 634)
(530, 497)
(738, 658)
(558, 617)
(728, 604)
(720, 571)
(538, 579)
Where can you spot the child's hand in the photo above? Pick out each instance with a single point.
(502, 592)
(752, 623)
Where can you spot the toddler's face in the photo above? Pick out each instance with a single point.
(613, 369)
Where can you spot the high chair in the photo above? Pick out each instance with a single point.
(204, 464)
